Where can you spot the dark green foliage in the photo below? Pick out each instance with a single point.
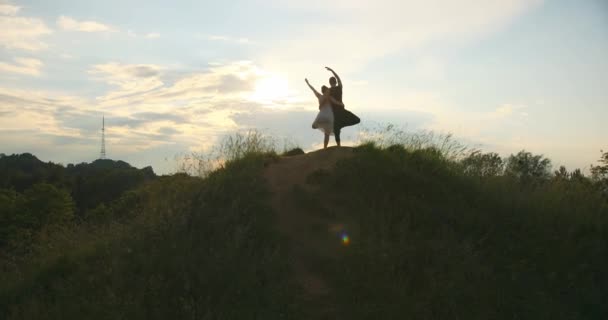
(189, 249)
(103, 181)
(22, 216)
(24, 170)
(526, 166)
(9, 202)
(483, 164)
(601, 172)
(45, 204)
(434, 242)
(89, 184)
(432, 238)
(37, 198)
(293, 152)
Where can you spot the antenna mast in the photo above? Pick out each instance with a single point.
(102, 154)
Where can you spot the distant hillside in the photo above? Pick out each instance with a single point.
(344, 233)
(89, 184)
(36, 196)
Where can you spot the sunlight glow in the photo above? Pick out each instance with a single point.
(270, 88)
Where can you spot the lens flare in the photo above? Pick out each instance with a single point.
(345, 239)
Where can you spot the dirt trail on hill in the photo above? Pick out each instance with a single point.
(312, 234)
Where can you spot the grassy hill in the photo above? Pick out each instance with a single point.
(362, 233)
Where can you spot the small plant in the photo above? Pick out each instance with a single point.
(293, 152)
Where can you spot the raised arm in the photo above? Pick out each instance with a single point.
(335, 75)
(313, 89)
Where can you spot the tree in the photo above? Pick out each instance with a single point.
(600, 172)
(44, 204)
(526, 166)
(483, 164)
(562, 173)
(8, 209)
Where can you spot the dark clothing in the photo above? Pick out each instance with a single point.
(342, 117)
(337, 133)
(336, 93)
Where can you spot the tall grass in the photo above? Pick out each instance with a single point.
(434, 242)
(384, 136)
(230, 148)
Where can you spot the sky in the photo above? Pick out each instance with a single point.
(172, 78)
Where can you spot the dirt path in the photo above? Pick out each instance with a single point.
(312, 236)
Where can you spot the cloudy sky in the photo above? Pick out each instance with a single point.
(173, 76)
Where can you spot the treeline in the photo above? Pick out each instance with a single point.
(531, 170)
(38, 196)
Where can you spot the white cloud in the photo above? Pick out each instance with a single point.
(152, 35)
(228, 39)
(507, 110)
(8, 9)
(206, 101)
(131, 80)
(117, 73)
(32, 110)
(496, 128)
(504, 110)
(27, 66)
(143, 84)
(21, 32)
(70, 24)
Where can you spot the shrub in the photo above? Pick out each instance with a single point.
(526, 166)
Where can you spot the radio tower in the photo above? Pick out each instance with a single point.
(102, 154)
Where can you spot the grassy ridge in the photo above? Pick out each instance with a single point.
(434, 237)
(436, 243)
(193, 249)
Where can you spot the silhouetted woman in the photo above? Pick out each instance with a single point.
(325, 118)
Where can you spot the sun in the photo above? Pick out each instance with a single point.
(270, 88)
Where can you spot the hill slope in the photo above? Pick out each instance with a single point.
(311, 236)
(263, 238)
(429, 241)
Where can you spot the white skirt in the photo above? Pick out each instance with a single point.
(324, 120)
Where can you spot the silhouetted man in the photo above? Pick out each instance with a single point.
(342, 117)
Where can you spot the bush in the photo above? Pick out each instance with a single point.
(526, 166)
(24, 216)
(483, 164)
(293, 152)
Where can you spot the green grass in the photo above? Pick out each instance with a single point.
(191, 249)
(430, 239)
(434, 243)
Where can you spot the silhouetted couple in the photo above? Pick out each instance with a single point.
(332, 115)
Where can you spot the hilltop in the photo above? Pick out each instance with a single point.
(361, 233)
